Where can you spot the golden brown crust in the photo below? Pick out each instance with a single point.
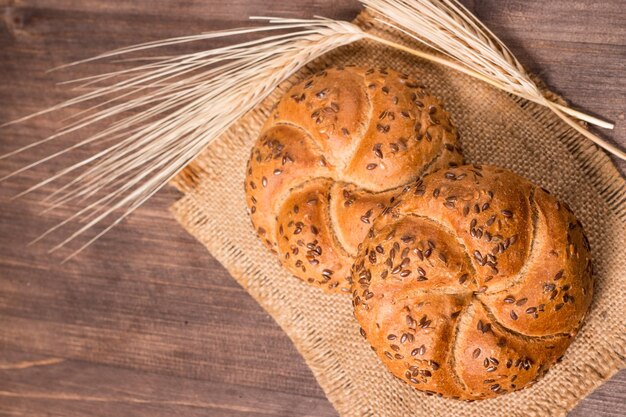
(496, 361)
(483, 251)
(408, 128)
(332, 107)
(276, 171)
(353, 211)
(368, 132)
(305, 237)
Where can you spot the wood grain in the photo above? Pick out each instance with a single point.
(145, 322)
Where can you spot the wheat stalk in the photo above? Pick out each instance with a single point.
(187, 101)
(449, 28)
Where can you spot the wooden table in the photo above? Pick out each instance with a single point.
(146, 322)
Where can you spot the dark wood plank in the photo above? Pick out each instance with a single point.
(38, 385)
(576, 46)
(608, 400)
(146, 313)
(156, 302)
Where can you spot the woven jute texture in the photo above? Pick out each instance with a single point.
(495, 129)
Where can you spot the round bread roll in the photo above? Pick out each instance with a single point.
(334, 151)
(473, 284)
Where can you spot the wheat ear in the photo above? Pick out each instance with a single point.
(449, 28)
(189, 100)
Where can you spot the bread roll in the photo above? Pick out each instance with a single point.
(334, 151)
(473, 283)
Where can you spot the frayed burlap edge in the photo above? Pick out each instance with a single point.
(198, 209)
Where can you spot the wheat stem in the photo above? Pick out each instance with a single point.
(461, 68)
(189, 100)
(471, 48)
(600, 142)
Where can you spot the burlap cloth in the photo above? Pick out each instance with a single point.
(495, 129)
